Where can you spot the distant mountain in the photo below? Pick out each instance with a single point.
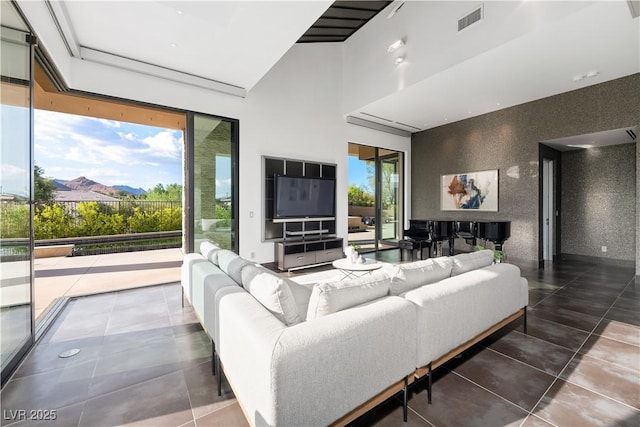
(88, 185)
(60, 185)
(85, 184)
(130, 190)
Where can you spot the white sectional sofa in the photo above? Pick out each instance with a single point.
(298, 355)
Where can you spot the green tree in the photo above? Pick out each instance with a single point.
(160, 193)
(359, 196)
(44, 188)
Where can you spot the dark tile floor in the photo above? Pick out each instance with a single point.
(145, 360)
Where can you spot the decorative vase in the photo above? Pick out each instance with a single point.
(351, 254)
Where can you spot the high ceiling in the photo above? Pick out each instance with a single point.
(519, 52)
(341, 20)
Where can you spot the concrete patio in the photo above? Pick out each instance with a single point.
(83, 275)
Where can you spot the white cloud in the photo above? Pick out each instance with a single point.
(68, 146)
(163, 144)
(109, 123)
(128, 136)
(10, 170)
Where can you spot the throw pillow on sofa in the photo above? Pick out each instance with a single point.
(331, 297)
(405, 277)
(210, 251)
(273, 293)
(235, 267)
(471, 261)
(225, 256)
(301, 293)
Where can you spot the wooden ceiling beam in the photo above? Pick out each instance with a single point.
(46, 97)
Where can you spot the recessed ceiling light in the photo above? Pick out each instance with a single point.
(179, 12)
(395, 45)
(173, 45)
(497, 103)
(399, 59)
(578, 78)
(593, 73)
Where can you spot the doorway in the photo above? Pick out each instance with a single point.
(548, 210)
(549, 205)
(376, 197)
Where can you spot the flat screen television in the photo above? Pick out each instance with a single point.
(303, 197)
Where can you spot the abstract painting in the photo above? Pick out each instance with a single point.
(470, 191)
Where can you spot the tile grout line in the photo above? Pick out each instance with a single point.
(487, 390)
(574, 356)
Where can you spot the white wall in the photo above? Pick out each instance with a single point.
(294, 111)
(371, 73)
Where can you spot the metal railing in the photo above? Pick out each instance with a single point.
(98, 245)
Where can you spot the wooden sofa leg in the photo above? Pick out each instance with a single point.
(429, 376)
(525, 321)
(219, 369)
(405, 400)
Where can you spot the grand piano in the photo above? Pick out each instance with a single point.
(426, 234)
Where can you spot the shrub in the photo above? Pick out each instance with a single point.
(14, 220)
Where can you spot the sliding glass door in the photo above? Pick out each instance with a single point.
(16, 195)
(212, 180)
(391, 201)
(375, 197)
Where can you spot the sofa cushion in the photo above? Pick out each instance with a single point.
(301, 293)
(405, 277)
(471, 261)
(330, 297)
(273, 293)
(235, 267)
(225, 257)
(210, 251)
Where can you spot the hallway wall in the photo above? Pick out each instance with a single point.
(599, 202)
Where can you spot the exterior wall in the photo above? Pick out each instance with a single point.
(599, 202)
(508, 140)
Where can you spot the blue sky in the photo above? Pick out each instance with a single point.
(118, 153)
(110, 152)
(358, 173)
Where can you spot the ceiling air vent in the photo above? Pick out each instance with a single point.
(470, 18)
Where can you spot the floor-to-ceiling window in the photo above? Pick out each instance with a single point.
(16, 194)
(214, 181)
(375, 196)
(390, 167)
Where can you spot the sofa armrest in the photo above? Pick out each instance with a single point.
(186, 272)
(455, 310)
(314, 372)
(247, 337)
(326, 367)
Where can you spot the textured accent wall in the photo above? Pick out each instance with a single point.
(599, 202)
(508, 140)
